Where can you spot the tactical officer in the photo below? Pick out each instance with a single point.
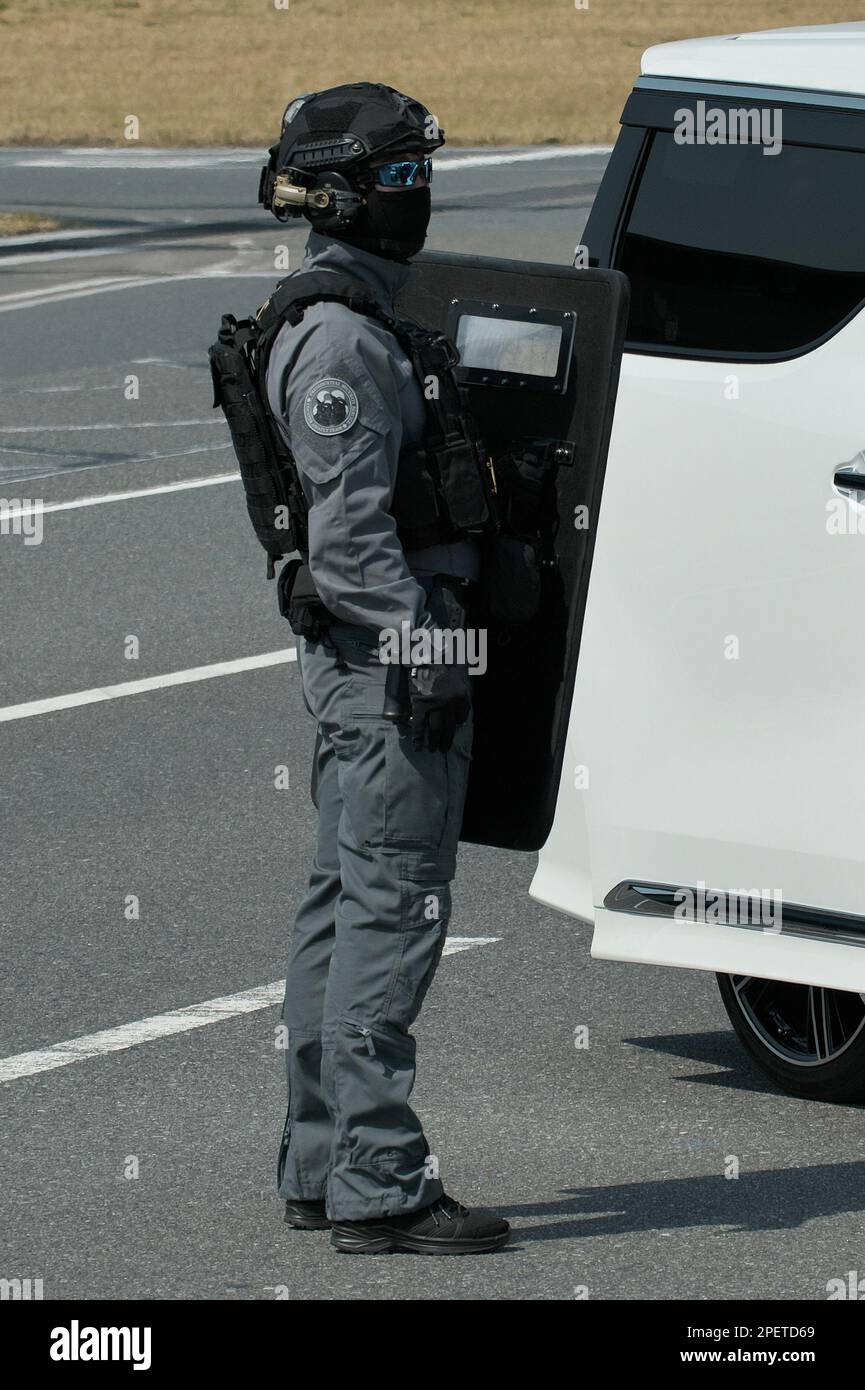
(355, 161)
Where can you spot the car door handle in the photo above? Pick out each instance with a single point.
(850, 477)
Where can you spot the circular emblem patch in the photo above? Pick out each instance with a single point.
(331, 406)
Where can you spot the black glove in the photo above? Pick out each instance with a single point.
(440, 700)
(527, 482)
(524, 476)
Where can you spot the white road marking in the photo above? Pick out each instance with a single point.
(117, 158)
(14, 513)
(111, 158)
(139, 687)
(67, 390)
(70, 234)
(37, 257)
(81, 289)
(465, 943)
(121, 425)
(161, 362)
(16, 296)
(165, 1025)
(32, 476)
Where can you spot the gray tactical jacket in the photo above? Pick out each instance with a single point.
(346, 400)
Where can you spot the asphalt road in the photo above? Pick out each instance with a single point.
(149, 1171)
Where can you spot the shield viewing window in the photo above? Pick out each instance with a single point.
(511, 345)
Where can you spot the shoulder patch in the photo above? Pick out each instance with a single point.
(330, 406)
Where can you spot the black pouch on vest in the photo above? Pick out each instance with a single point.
(462, 485)
(269, 480)
(415, 505)
(510, 580)
(299, 602)
(285, 585)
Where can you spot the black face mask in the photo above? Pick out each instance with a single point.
(391, 224)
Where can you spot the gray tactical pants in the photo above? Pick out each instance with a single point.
(367, 938)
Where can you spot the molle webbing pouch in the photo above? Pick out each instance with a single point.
(273, 499)
(462, 484)
(439, 493)
(450, 454)
(415, 503)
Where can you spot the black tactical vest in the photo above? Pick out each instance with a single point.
(444, 488)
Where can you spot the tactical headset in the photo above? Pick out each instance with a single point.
(327, 200)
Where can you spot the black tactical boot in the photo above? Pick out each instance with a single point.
(444, 1228)
(306, 1216)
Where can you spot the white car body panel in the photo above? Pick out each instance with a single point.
(743, 774)
(730, 950)
(821, 57)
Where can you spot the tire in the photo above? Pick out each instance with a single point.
(807, 1040)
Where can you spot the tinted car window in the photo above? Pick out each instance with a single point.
(735, 251)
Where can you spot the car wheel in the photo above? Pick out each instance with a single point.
(808, 1040)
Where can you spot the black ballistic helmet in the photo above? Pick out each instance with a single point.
(320, 168)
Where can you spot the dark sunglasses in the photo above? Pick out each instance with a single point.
(403, 172)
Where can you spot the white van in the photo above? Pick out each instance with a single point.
(711, 810)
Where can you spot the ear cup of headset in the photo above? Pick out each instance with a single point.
(342, 207)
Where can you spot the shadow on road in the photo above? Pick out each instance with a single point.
(721, 1049)
(765, 1200)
